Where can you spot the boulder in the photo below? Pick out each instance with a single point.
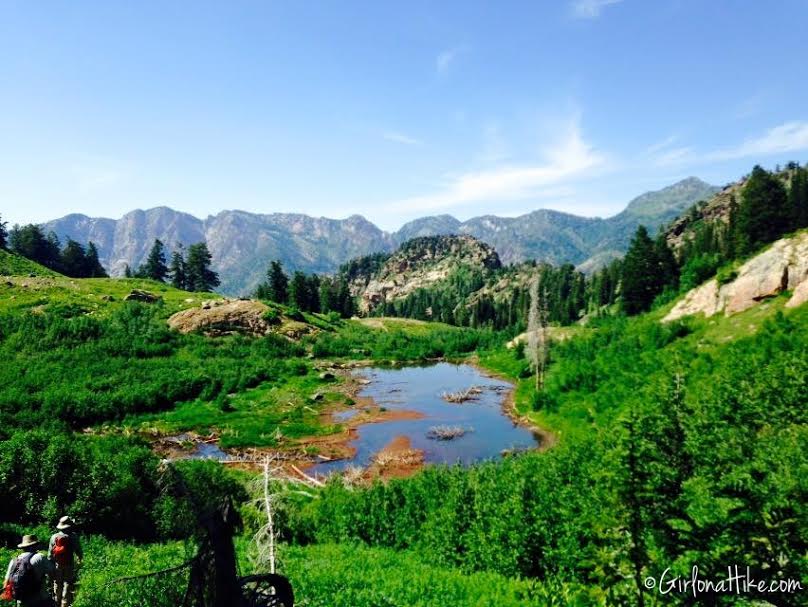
(781, 267)
(142, 296)
(799, 296)
(223, 317)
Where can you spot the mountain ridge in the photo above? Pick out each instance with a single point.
(242, 243)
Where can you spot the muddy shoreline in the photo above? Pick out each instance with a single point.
(395, 460)
(547, 439)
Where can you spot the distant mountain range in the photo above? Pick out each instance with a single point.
(242, 243)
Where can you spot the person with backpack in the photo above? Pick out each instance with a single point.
(26, 578)
(65, 553)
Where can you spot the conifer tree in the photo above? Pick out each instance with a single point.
(666, 262)
(155, 267)
(29, 241)
(798, 199)
(200, 277)
(763, 213)
(74, 259)
(299, 291)
(93, 267)
(731, 235)
(3, 234)
(176, 269)
(313, 292)
(640, 276)
(278, 283)
(632, 490)
(127, 271)
(328, 295)
(346, 301)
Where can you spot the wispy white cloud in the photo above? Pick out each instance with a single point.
(590, 9)
(446, 58)
(569, 158)
(673, 156)
(662, 144)
(787, 137)
(666, 153)
(397, 137)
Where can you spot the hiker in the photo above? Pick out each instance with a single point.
(64, 550)
(26, 578)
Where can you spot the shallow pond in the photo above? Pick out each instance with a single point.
(488, 430)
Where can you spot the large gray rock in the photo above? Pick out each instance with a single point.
(781, 267)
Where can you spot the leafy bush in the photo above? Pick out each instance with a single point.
(84, 370)
(110, 485)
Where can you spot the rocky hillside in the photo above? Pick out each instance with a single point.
(242, 244)
(782, 267)
(712, 209)
(422, 262)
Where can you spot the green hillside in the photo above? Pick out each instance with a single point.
(16, 265)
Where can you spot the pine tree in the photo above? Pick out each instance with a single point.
(313, 289)
(29, 241)
(798, 199)
(74, 259)
(155, 267)
(632, 491)
(176, 269)
(640, 276)
(763, 214)
(329, 301)
(127, 271)
(299, 292)
(666, 261)
(278, 283)
(3, 234)
(731, 235)
(197, 266)
(346, 301)
(93, 267)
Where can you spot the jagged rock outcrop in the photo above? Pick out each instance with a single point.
(422, 262)
(712, 210)
(227, 316)
(781, 267)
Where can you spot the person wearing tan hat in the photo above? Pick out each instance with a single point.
(27, 575)
(65, 552)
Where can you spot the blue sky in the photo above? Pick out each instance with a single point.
(390, 110)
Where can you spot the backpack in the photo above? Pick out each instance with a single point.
(24, 579)
(62, 551)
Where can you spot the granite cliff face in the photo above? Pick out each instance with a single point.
(243, 244)
(781, 267)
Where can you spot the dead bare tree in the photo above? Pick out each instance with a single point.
(538, 343)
